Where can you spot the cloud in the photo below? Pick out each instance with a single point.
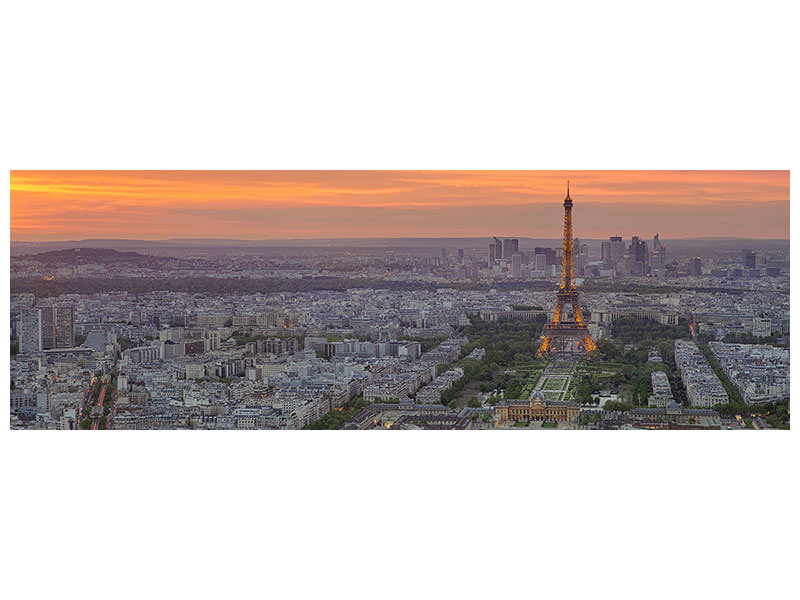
(262, 204)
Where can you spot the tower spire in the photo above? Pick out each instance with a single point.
(562, 335)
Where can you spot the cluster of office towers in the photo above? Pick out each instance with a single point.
(617, 257)
(507, 249)
(636, 259)
(543, 261)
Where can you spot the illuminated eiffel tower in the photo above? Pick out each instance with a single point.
(563, 335)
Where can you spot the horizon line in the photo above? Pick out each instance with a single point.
(287, 239)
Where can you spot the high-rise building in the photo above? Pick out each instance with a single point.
(58, 327)
(492, 254)
(581, 254)
(639, 249)
(605, 252)
(617, 248)
(516, 265)
(461, 256)
(658, 261)
(612, 252)
(749, 259)
(640, 256)
(540, 262)
(695, 266)
(30, 330)
(498, 249)
(550, 255)
(444, 257)
(510, 247)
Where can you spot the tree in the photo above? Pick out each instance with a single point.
(620, 406)
(583, 393)
(732, 391)
(608, 350)
(629, 329)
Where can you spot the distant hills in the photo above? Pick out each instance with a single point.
(79, 256)
(185, 246)
(163, 246)
(86, 255)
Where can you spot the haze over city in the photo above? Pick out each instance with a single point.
(403, 319)
(150, 205)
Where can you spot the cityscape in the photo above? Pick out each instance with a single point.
(550, 242)
(572, 331)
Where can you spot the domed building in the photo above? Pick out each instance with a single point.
(537, 409)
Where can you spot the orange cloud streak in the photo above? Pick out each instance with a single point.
(52, 205)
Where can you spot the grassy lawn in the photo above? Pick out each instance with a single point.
(562, 366)
(553, 384)
(530, 385)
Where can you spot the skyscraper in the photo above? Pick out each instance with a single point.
(516, 265)
(498, 249)
(581, 255)
(658, 262)
(639, 256)
(510, 247)
(549, 253)
(30, 330)
(605, 252)
(617, 248)
(695, 266)
(492, 255)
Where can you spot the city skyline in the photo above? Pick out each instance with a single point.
(251, 205)
(403, 336)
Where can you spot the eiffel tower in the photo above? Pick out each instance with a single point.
(563, 335)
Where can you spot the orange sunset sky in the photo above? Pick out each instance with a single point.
(73, 205)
